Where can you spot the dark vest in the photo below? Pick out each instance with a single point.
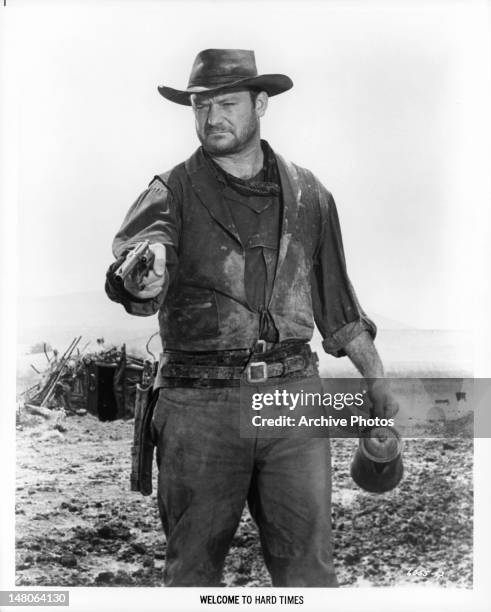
(206, 308)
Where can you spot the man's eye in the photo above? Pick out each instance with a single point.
(229, 104)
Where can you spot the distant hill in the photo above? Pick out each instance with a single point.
(58, 319)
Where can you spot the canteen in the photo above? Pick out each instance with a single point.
(377, 464)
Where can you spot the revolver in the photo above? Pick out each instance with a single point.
(139, 259)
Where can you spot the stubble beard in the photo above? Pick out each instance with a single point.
(222, 147)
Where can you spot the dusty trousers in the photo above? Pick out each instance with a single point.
(207, 473)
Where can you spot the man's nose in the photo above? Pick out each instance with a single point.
(214, 115)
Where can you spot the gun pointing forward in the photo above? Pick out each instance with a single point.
(139, 259)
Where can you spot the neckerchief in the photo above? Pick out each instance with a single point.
(270, 186)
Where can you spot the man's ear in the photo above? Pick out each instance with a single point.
(261, 103)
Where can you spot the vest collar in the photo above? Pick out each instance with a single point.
(205, 186)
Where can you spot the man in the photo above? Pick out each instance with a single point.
(248, 253)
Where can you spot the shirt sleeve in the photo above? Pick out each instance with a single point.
(155, 217)
(337, 312)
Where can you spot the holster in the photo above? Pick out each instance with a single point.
(143, 444)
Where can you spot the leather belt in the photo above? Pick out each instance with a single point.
(258, 370)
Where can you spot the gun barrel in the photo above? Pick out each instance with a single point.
(134, 257)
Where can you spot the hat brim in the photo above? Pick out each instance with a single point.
(272, 84)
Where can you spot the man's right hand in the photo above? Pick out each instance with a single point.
(153, 282)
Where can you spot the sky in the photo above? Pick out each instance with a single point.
(387, 109)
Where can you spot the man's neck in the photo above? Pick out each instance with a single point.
(245, 164)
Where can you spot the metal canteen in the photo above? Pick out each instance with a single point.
(377, 464)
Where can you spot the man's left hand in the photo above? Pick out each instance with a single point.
(384, 402)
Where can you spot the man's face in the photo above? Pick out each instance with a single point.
(227, 122)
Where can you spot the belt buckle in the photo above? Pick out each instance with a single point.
(264, 369)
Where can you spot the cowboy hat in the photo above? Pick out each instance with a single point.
(215, 69)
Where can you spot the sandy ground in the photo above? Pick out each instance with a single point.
(77, 523)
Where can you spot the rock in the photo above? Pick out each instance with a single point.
(113, 532)
(351, 558)
(68, 560)
(103, 577)
(23, 566)
(69, 507)
(126, 555)
(139, 548)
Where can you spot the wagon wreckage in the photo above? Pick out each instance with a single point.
(102, 382)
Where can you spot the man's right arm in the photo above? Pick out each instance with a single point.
(153, 217)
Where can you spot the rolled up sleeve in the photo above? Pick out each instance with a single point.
(337, 311)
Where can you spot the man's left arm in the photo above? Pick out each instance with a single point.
(344, 326)
(364, 356)
(337, 311)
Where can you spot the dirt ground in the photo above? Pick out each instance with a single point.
(77, 523)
